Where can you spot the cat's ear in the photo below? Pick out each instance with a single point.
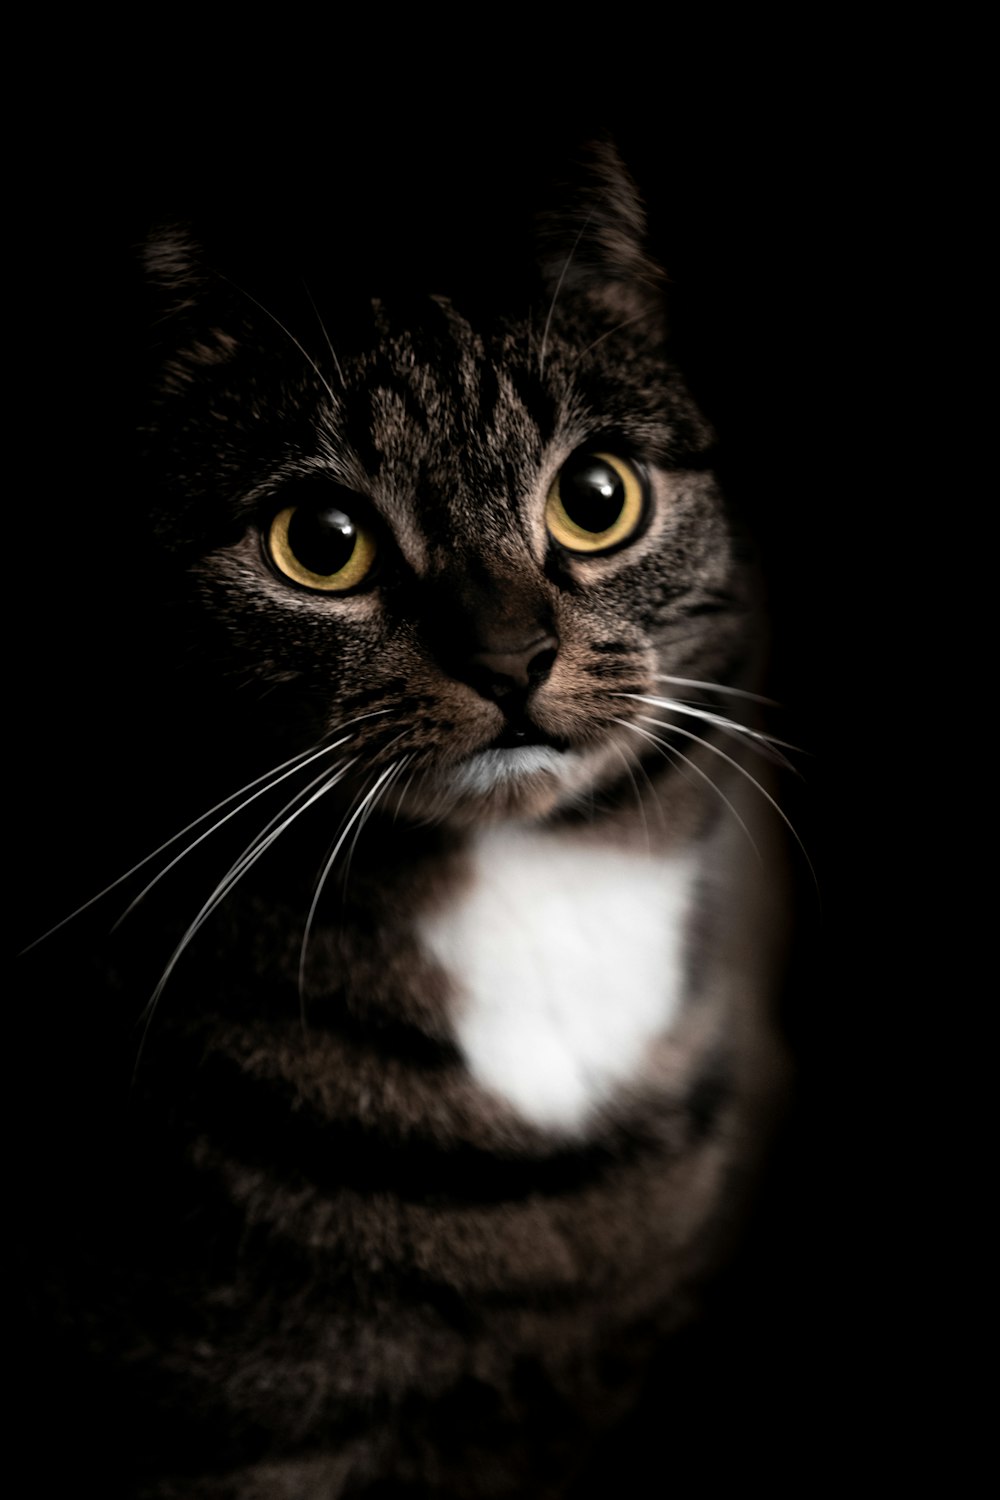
(172, 259)
(593, 243)
(193, 320)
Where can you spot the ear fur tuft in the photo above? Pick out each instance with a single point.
(594, 242)
(171, 257)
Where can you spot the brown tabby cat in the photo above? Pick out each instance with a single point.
(457, 1065)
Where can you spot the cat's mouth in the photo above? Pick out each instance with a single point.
(524, 771)
(520, 736)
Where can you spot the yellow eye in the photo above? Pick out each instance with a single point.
(322, 547)
(597, 502)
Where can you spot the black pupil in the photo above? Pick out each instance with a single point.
(592, 492)
(322, 538)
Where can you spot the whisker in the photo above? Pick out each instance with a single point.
(329, 866)
(717, 687)
(216, 826)
(657, 802)
(634, 319)
(676, 729)
(300, 758)
(401, 793)
(257, 847)
(555, 295)
(383, 748)
(261, 840)
(763, 743)
(368, 812)
(288, 334)
(635, 787)
(329, 344)
(330, 856)
(668, 751)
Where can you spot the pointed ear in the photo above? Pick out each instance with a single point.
(194, 319)
(593, 244)
(172, 260)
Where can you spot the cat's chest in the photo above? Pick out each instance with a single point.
(567, 960)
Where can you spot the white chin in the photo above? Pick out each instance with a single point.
(490, 769)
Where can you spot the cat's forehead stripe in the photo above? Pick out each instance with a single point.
(460, 438)
(477, 420)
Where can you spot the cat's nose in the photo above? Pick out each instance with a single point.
(503, 669)
(494, 631)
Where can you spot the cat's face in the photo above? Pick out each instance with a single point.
(455, 541)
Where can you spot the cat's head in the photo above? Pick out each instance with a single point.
(462, 534)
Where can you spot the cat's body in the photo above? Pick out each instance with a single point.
(416, 1198)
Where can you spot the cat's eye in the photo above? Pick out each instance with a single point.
(321, 546)
(597, 502)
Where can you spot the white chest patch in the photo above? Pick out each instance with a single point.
(569, 961)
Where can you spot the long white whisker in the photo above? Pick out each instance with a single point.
(670, 750)
(383, 749)
(350, 854)
(329, 866)
(676, 729)
(261, 839)
(232, 814)
(402, 792)
(716, 687)
(368, 812)
(764, 743)
(293, 760)
(288, 334)
(638, 799)
(258, 846)
(657, 803)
